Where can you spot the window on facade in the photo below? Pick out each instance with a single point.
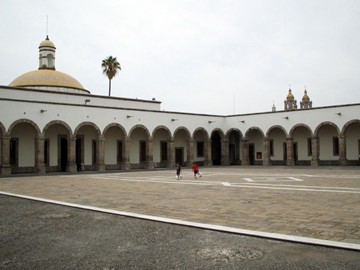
(163, 151)
(271, 148)
(309, 148)
(335, 146)
(119, 151)
(200, 149)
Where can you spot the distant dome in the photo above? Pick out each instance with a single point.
(290, 95)
(305, 97)
(47, 79)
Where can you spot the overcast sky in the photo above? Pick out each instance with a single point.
(205, 56)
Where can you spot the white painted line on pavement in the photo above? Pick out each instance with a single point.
(227, 184)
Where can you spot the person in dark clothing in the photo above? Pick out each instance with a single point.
(178, 171)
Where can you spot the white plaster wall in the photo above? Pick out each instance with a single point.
(300, 135)
(160, 135)
(352, 142)
(52, 135)
(136, 136)
(26, 135)
(326, 134)
(78, 98)
(111, 138)
(279, 138)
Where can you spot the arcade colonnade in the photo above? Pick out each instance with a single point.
(24, 148)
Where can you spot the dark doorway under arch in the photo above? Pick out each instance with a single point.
(216, 148)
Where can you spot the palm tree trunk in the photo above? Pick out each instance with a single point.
(109, 87)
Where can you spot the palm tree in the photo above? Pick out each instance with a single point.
(110, 67)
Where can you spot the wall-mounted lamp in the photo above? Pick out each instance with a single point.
(174, 119)
(339, 113)
(286, 117)
(87, 101)
(242, 121)
(42, 111)
(211, 122)
(129, 116)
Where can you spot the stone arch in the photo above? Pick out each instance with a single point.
(253, 152)
(251, 129)
(56, 136)
(115, 143)
(200, 131)
(139, 126)
(24, 146)
(291, 133)
(140, 149)
(184, 129)
(276, 145)
(201, 149)
(326, 123)
(25, 121)
(234, 137)
(162, 147)
(327, 134)
(350, 135)
(347, 124)
(91, 124)
(302, 137)
(218, 147)
(114, 125)
(182, 146)
(276, 127)
(88, 156)
(2, 129)
(57, 122)
(161, 127)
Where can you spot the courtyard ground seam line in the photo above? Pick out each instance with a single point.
(277, 236)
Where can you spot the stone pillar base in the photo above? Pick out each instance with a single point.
(290, 162)
(314, 163)
(41, 169)
(72, 168)
(5, 170)
(267, 162)
(127, 165)
(150, 165)
(101, 167)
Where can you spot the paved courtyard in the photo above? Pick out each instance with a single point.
(317, 206)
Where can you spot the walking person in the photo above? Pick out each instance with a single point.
(195, 169)
(178, 171)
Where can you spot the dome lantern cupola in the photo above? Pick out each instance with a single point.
(47, 54)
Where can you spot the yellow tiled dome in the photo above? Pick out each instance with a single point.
(47, 78)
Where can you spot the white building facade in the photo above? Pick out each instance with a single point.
(50, 123)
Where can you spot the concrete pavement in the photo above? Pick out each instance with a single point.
(318, 206)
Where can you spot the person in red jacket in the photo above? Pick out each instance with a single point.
(195, 169)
